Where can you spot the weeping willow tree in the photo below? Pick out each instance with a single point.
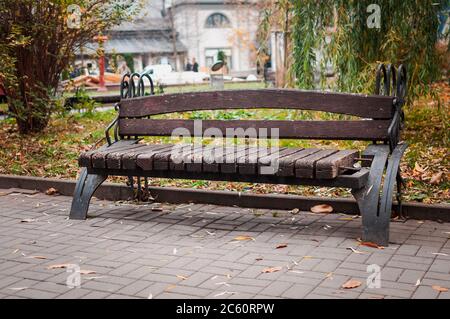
(353, 36)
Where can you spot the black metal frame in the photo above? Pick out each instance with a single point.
(373, 192)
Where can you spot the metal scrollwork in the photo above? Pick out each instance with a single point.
(133, 85)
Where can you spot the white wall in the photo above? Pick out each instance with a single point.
(190, 24)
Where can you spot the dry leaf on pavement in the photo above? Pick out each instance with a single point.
(322, 209)
(271, 270)
(439, 288)
(281, 246)
(181, 277)
(243, 238)
(351, 284)
(58, 266)
(370, 244)
(87, 272)
(51, 191)
(295, 211)
(28, 220)
(37, 257)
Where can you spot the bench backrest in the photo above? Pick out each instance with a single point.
(376, 113)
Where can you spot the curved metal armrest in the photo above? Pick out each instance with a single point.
(108, 128)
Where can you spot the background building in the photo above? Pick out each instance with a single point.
(206, 27)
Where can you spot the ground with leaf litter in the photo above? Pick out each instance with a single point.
(204, 251)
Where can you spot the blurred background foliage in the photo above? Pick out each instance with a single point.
(341, 37)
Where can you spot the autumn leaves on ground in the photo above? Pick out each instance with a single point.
(54, 153)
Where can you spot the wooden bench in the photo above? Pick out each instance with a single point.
(379, 121)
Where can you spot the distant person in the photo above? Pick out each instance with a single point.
(194, 65)
(188, 66)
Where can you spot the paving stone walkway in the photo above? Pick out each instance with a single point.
(191, 251)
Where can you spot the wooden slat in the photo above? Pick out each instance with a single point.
(230, 165)
(129, 159)
(305, 167)
(248, 165)
(180, 157)
(377, 107)
(85, 158)
(322, 130)
(99, 158)
(213, 159)
(145, 161)
(329, 167)
(114, 159)
(161, 159)
(287, 163)
(265, 162)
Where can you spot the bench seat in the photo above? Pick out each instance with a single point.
(305, 163)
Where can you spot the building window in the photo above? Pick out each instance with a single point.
(217, 20)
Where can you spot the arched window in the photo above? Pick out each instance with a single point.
(217, 20)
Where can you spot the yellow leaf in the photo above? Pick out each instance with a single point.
(439, 288)
(322, 209)
(51, 191)
(351, 284)
(271, 270)
(243, 238)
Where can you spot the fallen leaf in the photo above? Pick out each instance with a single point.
(370, 244)
(243, 238)
(418, 168)
(418, 282)
(308, 257)
(322, 209)
(281, 246)
(355, 251)
(28, 220)
(181, 277)
(87, 272)
(295, 211)
(271, 270)
(436, 178)
(37, 257)
(58, 266)
(439, 288)
(258, 259)
(51, 191)
(351, 284)
(346, 218)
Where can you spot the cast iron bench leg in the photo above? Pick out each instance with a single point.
(392, 176)
(368, 198)
(87, 184)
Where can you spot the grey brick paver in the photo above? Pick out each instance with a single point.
(188, 251)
